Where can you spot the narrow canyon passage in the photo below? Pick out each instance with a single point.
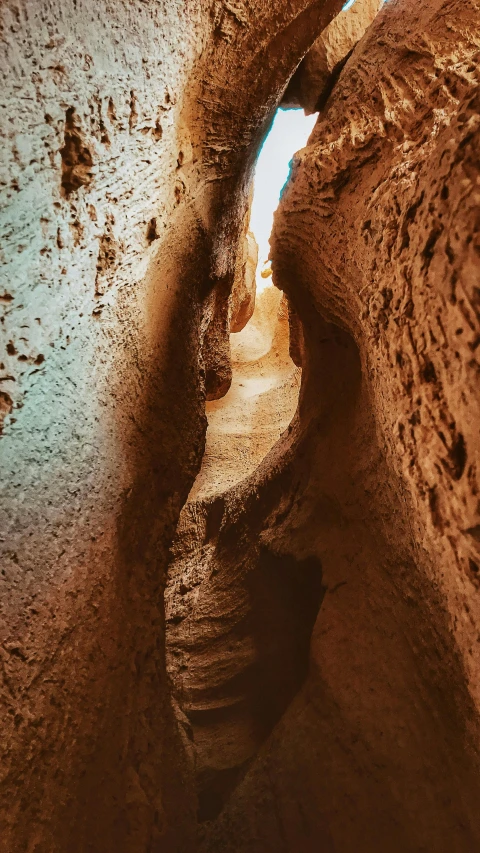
(281, 558)
(239, 497)
(211, 656)
(244, 424)
(260, 403)
(215, 672)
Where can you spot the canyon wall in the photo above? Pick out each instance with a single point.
(129, 132)
(92, 472)
(376, 244)
(342, 584)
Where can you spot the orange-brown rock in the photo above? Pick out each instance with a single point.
(216, 665)
(313, 80)
(297, 341)
(375, 243)
(323, 685)
(242, 297)
(129, 132)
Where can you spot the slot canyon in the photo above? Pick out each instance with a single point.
(240, 495)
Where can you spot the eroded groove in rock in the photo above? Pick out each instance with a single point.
(239, 615)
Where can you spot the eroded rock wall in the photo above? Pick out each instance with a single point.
(239, 617)
(130, 131)
(375, 245)
(128, 134)
(261, 46)
(312, 82)
(401, 175)
(91, 181)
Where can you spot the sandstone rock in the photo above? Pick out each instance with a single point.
(318, 70)
(374, 243)
(297, 342)
(232, 669)
(129, 132)
(328, 688)
(242, 297)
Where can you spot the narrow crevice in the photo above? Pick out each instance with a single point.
(77, 160)
(240, 611)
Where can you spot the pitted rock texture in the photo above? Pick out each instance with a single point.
(375, 243)
(90, 141)
(123, 196)
(313, 80)
(402, 178)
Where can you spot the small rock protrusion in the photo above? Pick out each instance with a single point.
(133, 117)
(152, 233)
(6, 406)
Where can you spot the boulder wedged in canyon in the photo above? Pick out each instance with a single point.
(313, 80)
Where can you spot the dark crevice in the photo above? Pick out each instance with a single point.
(77, 160)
